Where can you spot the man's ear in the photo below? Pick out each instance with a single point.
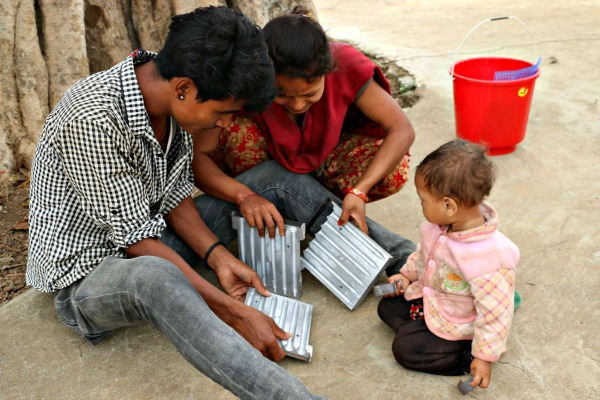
(450, 206)
(182, 86)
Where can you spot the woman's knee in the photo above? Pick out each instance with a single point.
(270, 176)
(245, 146)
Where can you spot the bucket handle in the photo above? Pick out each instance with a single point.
(492, 20)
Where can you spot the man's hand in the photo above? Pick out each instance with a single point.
(482, 373)
(258, 329)
(354, 207)
(234, 276)
(260, 212)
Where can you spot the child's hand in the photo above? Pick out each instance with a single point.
(402, 283)
(482, 373)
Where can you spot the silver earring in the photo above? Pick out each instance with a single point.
(181, 97)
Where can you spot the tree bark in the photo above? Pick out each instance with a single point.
(48, 45)
(262, 11)
(31, 78)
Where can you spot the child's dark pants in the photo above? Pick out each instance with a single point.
(416, 348)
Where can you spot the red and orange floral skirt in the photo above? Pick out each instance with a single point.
(243, 146)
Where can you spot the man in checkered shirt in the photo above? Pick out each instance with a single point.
(114, 231)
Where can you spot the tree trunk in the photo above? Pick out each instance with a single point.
(47, 45)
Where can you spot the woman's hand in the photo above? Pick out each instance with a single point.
(482, 373)
(354, 207)
(260, 212)
(209, 178)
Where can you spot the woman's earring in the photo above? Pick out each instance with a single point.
(181, 97)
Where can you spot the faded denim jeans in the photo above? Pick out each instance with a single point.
(121, 292)
(298, 197)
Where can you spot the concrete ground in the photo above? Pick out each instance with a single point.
(547, 194)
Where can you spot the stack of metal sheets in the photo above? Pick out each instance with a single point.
(290, 315)
(345, 259)
(276, 260)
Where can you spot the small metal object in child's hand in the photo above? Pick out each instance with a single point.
(384, 288)
(465, 387)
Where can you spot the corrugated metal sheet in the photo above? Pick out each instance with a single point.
(276, 260)
(345, 260)
(292, 316)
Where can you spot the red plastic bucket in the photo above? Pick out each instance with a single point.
(489, 112)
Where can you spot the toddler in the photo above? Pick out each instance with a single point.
(458, 285)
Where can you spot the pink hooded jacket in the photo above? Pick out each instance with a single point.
(467, 281)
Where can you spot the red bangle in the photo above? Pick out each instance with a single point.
(356, 192)
(245, 197)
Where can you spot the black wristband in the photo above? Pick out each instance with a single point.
(210, 250)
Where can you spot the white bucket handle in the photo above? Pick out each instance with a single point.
(491, 20)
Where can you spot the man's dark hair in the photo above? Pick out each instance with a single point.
(458, 169)
(223, 52)
(298, 46)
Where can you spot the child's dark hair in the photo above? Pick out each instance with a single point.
(458, 169)
(223, 52)
(298, 45)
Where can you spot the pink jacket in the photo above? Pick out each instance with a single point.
(467, 281)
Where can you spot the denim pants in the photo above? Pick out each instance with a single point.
(121, 292)
(298, 197)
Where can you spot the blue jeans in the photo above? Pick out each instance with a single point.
(298, 197)
(121, 292)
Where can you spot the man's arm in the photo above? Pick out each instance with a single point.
(234, 276)
(257, 328)
(114, 198)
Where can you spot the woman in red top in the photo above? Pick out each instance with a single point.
(333, 117)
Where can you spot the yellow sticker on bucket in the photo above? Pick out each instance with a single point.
(523, 91)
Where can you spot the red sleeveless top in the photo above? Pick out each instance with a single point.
(303, 150)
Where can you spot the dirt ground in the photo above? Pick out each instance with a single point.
(14, 203)
(14, 197)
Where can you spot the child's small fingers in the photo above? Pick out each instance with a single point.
(485, 382)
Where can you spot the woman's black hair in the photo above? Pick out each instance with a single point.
(298, 45)
(223, 52)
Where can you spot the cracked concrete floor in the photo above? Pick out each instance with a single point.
(547, 195)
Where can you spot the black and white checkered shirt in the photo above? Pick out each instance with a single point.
(100, 181)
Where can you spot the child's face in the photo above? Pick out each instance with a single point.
(434, 209)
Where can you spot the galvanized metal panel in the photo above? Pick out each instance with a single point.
(345, 259)
(292, 316)
(276, 260)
